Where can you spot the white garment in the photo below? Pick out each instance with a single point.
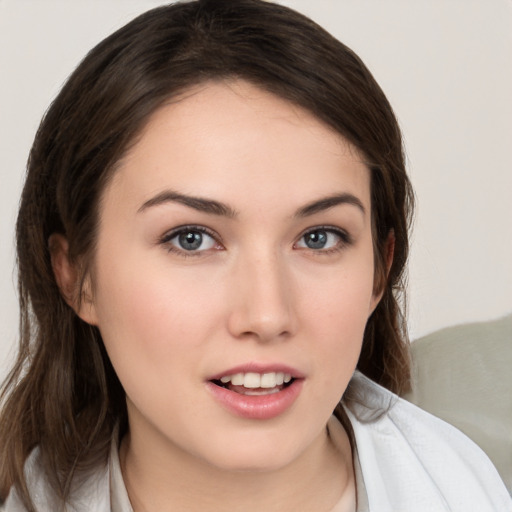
(412, 461)
(409, 461)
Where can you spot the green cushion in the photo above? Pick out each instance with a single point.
(463, 374)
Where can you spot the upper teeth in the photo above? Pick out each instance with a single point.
(257, 380)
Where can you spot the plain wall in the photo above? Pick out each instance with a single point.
(446, 68)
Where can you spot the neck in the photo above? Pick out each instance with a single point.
(318, 479)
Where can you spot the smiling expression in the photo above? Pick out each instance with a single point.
(233, 277)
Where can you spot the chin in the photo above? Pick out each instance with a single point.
(256, 454)
(253, 463)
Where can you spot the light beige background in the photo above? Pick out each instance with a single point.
(446, 66)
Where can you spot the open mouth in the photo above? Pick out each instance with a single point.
(255, 384)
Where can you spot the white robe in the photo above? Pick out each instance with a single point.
(412, 461)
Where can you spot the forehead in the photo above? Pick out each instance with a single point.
(226, 137)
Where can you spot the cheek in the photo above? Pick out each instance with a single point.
(151, 314)
(342, 299)
(338, 311)
(154, 335)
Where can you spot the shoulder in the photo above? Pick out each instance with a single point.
(411, 460)
(91, 492)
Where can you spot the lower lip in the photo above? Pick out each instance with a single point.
(257, 407)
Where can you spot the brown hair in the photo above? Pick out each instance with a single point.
(63, 394)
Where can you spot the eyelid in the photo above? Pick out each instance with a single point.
(344, 235)
(172, 233)
(168, 235)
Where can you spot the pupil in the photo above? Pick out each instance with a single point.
(191, 240)
(316, 239)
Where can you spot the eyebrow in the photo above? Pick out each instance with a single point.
(329, 202)
(212, 207)
(205, 205)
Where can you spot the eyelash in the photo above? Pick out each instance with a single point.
(166, 239)
(345, 239)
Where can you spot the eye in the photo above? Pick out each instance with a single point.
(190, 239)
(323, 239)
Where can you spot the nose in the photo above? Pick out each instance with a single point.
(262, 300)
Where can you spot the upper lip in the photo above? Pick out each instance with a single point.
(261, 368)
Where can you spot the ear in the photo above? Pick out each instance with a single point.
(389, 252)
(68, 278)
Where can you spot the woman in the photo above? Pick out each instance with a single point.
(211, 243)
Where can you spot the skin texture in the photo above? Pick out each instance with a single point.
(253, 293)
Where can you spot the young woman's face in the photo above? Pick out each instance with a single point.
(233, 277)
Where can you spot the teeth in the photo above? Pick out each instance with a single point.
(252, 380)
(259, 392)
(268, 380)
(237, 379)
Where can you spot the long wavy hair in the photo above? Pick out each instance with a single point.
(63, 394)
